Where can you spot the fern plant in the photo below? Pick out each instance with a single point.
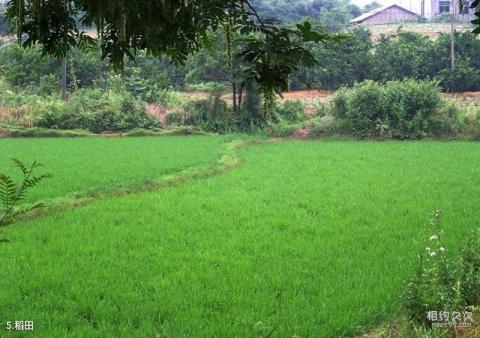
(11, 193)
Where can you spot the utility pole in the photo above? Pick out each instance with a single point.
(452, 36)
(63, 90)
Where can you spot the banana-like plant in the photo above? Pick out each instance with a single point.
(11, 193)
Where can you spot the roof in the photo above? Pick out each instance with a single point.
(374, 12)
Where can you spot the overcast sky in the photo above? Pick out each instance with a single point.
(414, 5)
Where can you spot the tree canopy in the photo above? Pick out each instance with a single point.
(474, 6)
(166, 27)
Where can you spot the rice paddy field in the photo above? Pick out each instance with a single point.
(89, 166)
(302, 239)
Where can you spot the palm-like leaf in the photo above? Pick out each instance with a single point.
(11, 194)
(8, 190)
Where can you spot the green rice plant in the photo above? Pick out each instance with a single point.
(117, 162)
(314, 237)
(11, 193)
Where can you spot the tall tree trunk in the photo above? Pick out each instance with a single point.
(234, 90)
(240, 97)
(63, 89)
(230, 27)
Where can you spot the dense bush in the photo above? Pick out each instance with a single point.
(327, 126)
(448, 121)
(215, 115)
(211, 114)
(210, 86)
(95, 110)
(472, 125)
(399, 109)
(289, 111)
(283, 129)
(25, 67)
(464, 78)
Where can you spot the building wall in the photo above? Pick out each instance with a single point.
(432, 9)
(393, 14)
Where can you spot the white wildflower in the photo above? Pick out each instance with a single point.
(428, 249)
(442, 248)
(433, 254)
(434, 238)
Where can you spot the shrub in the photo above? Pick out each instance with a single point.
(472, 125)
(409, 106)
(144, 89)
(95, 110)
(462, 79)
(398, 109)
(340, 103)
(206, 87)
(447, 122)
(283, 129)
(365, 108)
(290, 111)
(17, 109)
(176, 118)
(48, 85)
(211, 114)
(170, 98)
(327, 126)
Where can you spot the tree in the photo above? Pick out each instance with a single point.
(402, 56)
(473, 6)
(462, 79)
(371, 6)
(339, 63)
(165, 27)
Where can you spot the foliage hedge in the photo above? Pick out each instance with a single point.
(96, 110)
(398, 109)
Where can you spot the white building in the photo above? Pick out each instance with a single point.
(433, 8)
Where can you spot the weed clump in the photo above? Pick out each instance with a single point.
(445, 291)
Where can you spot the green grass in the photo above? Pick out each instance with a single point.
(310, 238)
(89, 166)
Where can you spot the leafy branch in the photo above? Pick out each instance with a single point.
(11, 193)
